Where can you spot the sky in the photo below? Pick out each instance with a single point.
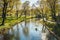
(31, 1)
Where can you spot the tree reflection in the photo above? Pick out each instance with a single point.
(26, 31)
(17, 33)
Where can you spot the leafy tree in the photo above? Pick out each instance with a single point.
(17, 7)
(52, 6)
(5, 5)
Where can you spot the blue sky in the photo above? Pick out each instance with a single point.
(31, 1)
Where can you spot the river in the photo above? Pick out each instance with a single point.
(29, 30)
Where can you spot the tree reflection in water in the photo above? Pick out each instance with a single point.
(26, 29)
(17, 33)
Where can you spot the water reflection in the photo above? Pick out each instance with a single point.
(26, 31)
(32, 30)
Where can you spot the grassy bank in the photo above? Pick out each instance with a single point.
(9, 23)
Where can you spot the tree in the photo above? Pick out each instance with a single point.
(17, 5)
(52, 6)
(25, 7)
(5, 5)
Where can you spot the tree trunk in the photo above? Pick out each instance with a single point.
(4, 12)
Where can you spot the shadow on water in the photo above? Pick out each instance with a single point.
(32, 30)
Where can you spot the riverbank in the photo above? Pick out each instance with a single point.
(50, 27)
(10, 23)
